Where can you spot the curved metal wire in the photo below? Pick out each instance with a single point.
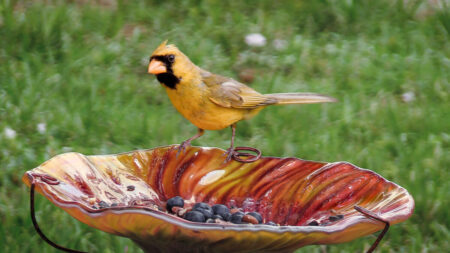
(53, 181)
(374, 216)
(251, 158)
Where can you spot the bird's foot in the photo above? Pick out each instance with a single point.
(183, 146)
(233, 153)
(229, 154)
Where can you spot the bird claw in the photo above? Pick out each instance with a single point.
(183, 146)
(229, 154)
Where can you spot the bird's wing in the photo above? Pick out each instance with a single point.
(229, 93)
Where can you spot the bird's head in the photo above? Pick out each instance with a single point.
(170, 65)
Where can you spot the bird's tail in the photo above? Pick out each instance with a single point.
(300, 98)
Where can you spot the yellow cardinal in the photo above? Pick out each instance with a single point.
(210, 101)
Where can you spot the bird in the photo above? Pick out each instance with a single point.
(211, 101)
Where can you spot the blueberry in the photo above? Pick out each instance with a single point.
(257, 216)
(103, 204)
(215, 216)
(220, 209)
(271, 223)
(313, 223)
(202, 205)
(236, 217)
(194, 216)
(210, 221)
(204, 208)
(207, 213)
(336, 218)
(175, 201)
(226, 217)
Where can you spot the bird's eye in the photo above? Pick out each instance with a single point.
(171, 58)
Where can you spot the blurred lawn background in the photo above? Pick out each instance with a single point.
(73, 78)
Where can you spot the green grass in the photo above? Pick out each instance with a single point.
(81, 70)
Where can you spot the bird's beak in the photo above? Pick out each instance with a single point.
(156, 67)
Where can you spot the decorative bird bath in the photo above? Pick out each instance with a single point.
(125, 195)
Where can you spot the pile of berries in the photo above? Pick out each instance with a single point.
(218, 213)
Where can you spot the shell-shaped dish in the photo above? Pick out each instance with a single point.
(125, 194)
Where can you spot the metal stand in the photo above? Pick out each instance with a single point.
(374, 216)
(51, 181)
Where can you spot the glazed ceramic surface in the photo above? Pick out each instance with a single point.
(125, 194)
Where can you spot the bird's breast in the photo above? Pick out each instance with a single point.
(195, 105)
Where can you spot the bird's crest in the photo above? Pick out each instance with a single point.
(163, 49)
(162, 45)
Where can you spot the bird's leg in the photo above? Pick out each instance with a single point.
(187, 142)
(230, 150)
